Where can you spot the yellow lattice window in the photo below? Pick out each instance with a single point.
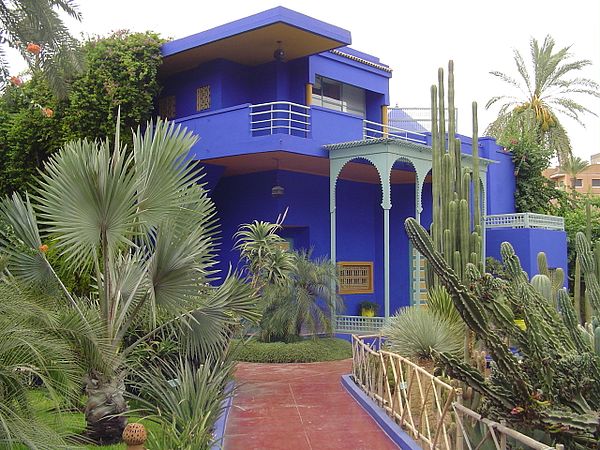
(203, 98)
(356, 277)
(166, 107)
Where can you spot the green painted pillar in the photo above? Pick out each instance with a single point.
(386, 259)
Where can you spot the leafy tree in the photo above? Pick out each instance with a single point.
(36, 30)
(534, 192)
(573, 166)
(121, 69)
(140, 221)
(27, 134)
(121, 73)
(546, 89)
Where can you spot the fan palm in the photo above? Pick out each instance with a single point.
(142, 223)
(38, 22)
(573, 166)
(546, 90)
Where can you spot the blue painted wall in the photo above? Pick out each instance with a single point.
(242, 199)
(528, 242)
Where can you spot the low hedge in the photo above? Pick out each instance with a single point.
(305, 351)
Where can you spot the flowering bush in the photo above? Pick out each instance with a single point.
(34, 49)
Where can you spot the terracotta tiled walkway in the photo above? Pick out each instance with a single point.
(298, 407)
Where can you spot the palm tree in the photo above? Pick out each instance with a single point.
(139, 219)
(301, 303)
(36, 30)
(573, 166)
(546, 90)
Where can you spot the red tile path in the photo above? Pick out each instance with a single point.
(298, 407)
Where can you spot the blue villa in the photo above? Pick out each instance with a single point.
(290, 117)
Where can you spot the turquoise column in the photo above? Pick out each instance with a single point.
(386, 259)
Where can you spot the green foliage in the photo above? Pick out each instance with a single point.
(32, 348)
(185, 399)
(550, 86)
(534, 192)
(121, 72)
(417, 332)
(27, 136)
(262, 250)
(456, 227)
(303, 302)
(147, 233)
(40, 22)
(303, 351)
(368, 306)
(555, 379)
(440, 304)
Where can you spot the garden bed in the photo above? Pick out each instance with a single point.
(304, 351)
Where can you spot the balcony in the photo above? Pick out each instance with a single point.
(525, 220)
(281, 125)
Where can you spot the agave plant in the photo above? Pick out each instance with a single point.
(416, 332)
(145, 226)
(186, 400)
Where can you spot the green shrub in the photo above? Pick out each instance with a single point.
(309, 350)
(415, 332)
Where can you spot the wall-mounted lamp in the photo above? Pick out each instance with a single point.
(279, 53)
(277, 190)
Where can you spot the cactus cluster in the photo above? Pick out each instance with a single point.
(552, 383)
(544, 376)
(455, 230)
(548, 283)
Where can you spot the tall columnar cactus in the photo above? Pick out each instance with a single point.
(456, 227)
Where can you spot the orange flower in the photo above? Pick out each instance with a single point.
(34, 48)
(16, 81)
(47, 112)
(43, 248)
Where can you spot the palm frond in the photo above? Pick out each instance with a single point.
(87, 195)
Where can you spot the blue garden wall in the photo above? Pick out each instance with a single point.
(528, 242)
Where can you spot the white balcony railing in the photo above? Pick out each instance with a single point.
(280, 118)
(358, 324)
(525, 220)
(375, 130)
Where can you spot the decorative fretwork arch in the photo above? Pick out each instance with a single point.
(383, 153)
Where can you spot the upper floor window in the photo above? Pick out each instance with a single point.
(338, 96)
(579, 182)
(166, 107)
(595, 182)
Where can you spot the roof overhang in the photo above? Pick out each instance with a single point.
(253, 40)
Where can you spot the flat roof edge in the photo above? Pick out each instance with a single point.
(271, 16)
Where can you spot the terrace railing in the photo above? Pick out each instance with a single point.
(525, 220)
(280, 118)
(375, 130)
(358, 324)
(429, 408)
